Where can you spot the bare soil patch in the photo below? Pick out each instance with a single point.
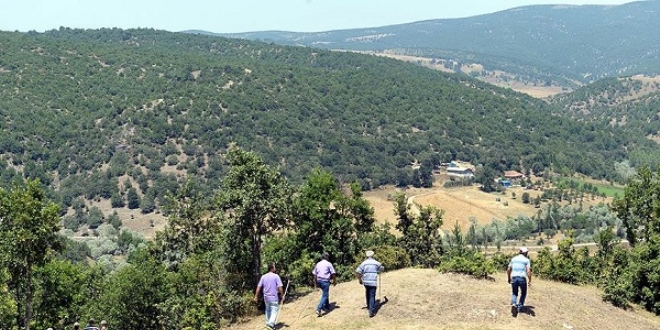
(145, 224)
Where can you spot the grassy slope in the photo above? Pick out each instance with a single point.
(425, 299)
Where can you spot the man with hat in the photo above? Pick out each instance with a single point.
(324, 272)
(367, 274)
(519, 274)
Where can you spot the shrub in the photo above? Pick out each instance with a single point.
(474, 264)
(501, 260)
(391, 257)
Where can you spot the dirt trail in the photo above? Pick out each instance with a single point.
(425, 299)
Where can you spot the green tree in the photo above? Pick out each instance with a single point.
(421, 237)
(116, 200)
(402, 211)
(639, 208)
(133, 199)
(640, 212)
(327, 219)
(191, 227)
(486, 176)
(60, 293)
(130, 297)
(526, 198)
(606, 240)
(254, 201)
(28, 238)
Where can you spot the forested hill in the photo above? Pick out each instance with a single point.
(543, 42)
(630, 103)
(87, 110)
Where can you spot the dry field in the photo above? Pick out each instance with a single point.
(144, 224)
(459, 204)
(425, 299)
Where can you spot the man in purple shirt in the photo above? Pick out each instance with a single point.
(271, 285)
(323, 273)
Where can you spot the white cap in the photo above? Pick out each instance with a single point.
(369, 254)
(523, 249)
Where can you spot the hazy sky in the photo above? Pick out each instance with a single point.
(224, 16)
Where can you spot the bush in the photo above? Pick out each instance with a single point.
(474, 264)
(391, 257)
(300, 271)
(501, 260)
(617, 280)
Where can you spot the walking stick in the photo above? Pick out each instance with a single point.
(311, 295)
(380, 285)
(380, 293)
(283, 297)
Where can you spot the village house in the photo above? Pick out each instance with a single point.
(514, 177)
(462, 172)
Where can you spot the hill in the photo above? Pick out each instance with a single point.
(540, 44)
(629, 103)
(125, 116)
(426, 299)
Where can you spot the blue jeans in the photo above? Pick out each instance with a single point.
(271, 313)
(370, 294)
(518, 282)
(325, 295)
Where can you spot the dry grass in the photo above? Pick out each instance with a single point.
(460, 204)
(425, 299)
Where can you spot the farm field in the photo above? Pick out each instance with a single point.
(461, 204)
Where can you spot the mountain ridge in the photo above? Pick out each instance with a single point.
(540, 42)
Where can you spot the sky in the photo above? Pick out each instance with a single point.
(230, 16)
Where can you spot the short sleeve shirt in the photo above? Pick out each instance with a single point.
(323, 270)
(269, 283)
(519, 266)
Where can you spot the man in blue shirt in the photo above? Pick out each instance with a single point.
(519, 275)
(367, 274)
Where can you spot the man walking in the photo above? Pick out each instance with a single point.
(367, 274)
(91, 325)
(324, 272)
(271, 285)
(519, 273)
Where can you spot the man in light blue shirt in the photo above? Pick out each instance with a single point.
(367, 274)
(519, 275)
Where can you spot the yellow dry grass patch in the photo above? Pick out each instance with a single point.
(425, 299)
(460, 204)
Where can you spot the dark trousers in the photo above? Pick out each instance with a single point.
(370, 294)
(518, 283)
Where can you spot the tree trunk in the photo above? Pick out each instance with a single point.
(19, 314)
(256, 258)
(28, 297)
